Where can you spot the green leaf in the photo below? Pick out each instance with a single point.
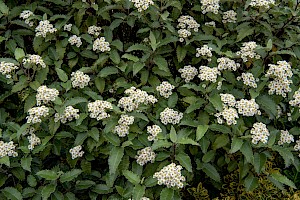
(106, 71)
(161, 144)
(153, 41)
(221, 141)
(236, 144)
(12, 193)
(244, 32)
(130, 57)
(19, 54)
(84, 184)
(259, 161)
(31, 180)
(181, 53)
(48, 190)
(185, 161)
(115, 157)
(211, 171)
(100, 84)
(26, 163)
(115, 57)
(94, 133)
(3, 8)
(201, 130)
(41, 75)
(70, 175)
(161, 63)
(48, 175)
(138, 66)
(250, 182)
(173, 135)
(246, 150)
(138, 192)
(283, 179)
(74, 101)
(138, 47)
(62, 75)
(208, 156)
(132, 177)
(167, 194)
(266, 103)
(5, 160)
(216, 101)
(187, 141)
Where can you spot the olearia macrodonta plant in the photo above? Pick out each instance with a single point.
(143, 99)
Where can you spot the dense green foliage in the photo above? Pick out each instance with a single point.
(229, 72)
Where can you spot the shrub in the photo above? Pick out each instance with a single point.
(111, 99)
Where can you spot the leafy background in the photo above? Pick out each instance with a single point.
(211, 154)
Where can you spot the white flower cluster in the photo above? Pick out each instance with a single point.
(170, 116)
(136, 97)
(76, 152)
(212, 23)
(25, 14)
(94, 30)
(100, 44)
(208, 74)
(69, 114)
(29, 131)
(210, 6)
(297, 146)
(6, 68)
(170, 176)
(229, 16)
(36, 113)
(79, 79)
(248, 79)
(204, 51)
(45, 95)
(248, 50)
(7, 149)
(33, 141)
(228, 100)
(247, 107)
(43, 28)
(296, 99)
(123, 128)
(34, 59)
(227, 64)
(142, 5)
(75, 40)
(281, 74)
(186, 25)
(143, 198)
(165, 89)
(98, 109)
(188, 73)
(285, 137)
(259, 132)
(145, 155)
(153, 131)
(262, 3)
(68, 27)
(228, 114)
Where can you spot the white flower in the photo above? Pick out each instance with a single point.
(296, 99)
(262, 3)
(170, 116)
(145, 155)
(229, 16)
(99, 109)
(208, 74)
(165, 89)
(7, 149)
(188, 73)
(212, 23)
(101, 44)
(153, 131)
(285, 137)
(45, 95)
(7, 68)
(248, 107)
(259, 133)
(227, 64)
(229, 115)
(69, 114)
(36, 113)
(33, 141)
(142, 5)
(170, 176)
(228, 100)
(75, 40)
(34, 59)
(25, 15)
(68, 27)
(186, 25)
(204, 51)
(79, 79)
(248, 79)
(94, 30)
(76, 152)
(43, 28)
(248, 51)
(210, 6)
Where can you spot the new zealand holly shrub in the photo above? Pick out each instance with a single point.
(142, 99)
